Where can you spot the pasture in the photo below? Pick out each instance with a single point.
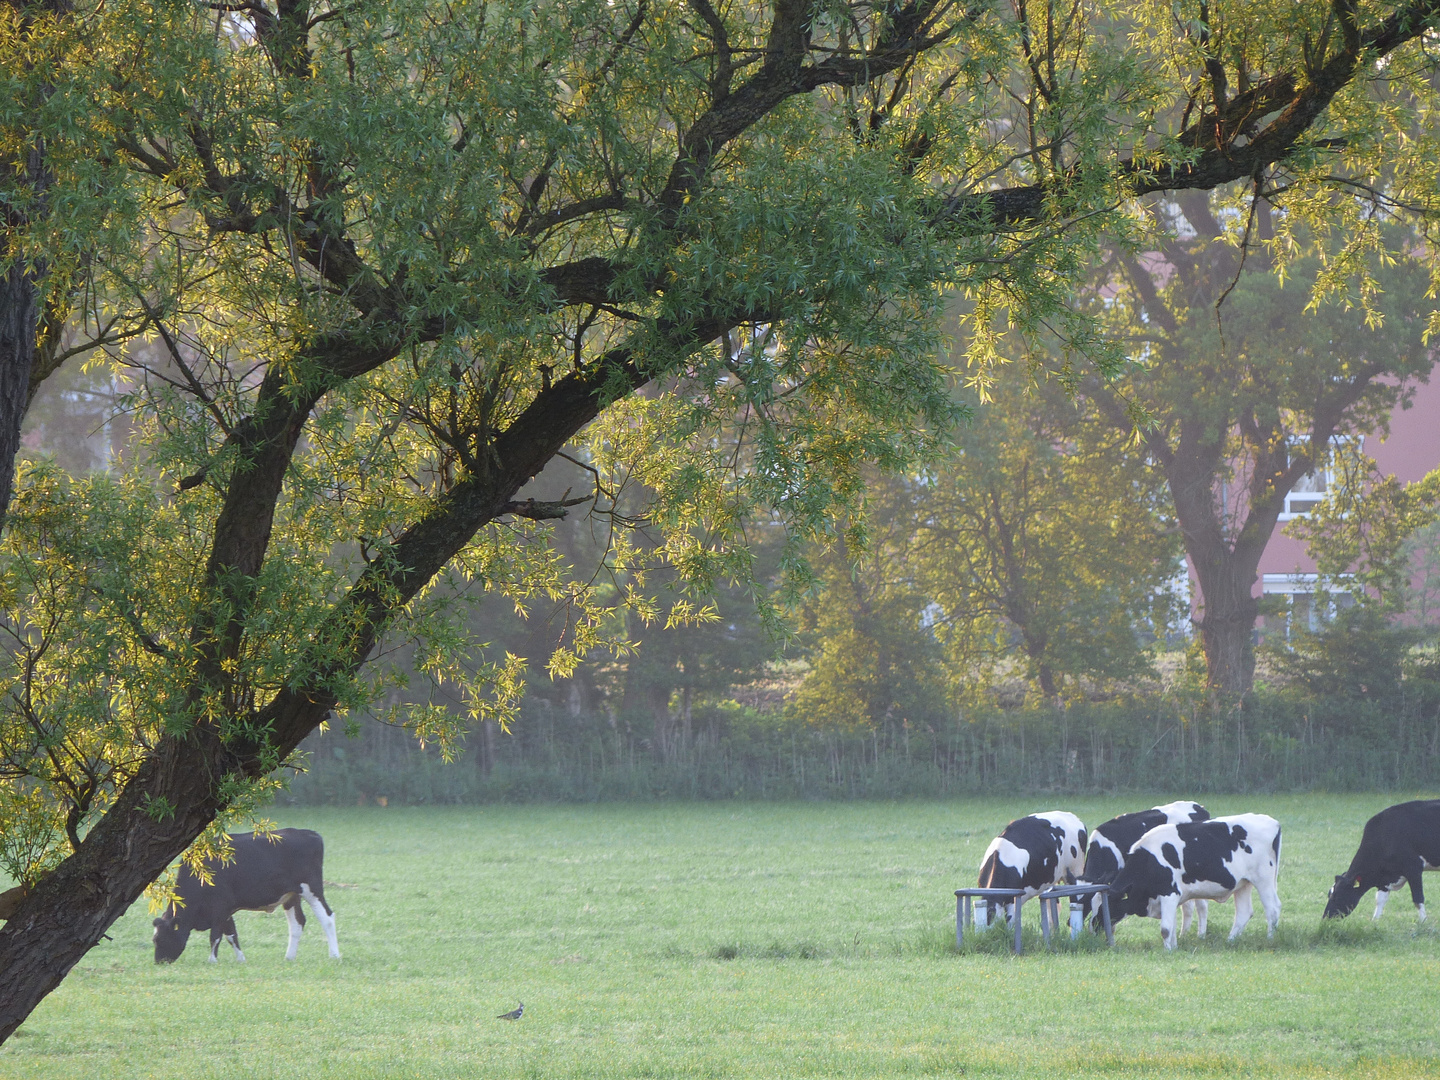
(745, 940)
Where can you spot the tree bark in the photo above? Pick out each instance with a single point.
(19, 328)
(20, 289)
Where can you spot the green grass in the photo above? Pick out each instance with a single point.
(738, 940)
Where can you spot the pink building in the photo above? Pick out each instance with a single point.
(1411, 450)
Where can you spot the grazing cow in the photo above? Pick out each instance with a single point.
(1032, 853)
(1202, 860)
(1398, 845)
(264, 873)
(1109, 843)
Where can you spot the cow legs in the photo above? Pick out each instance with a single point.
(1168, 904)
(1197, 912)
(322, 911)
(296, 917)
(1270, 901)
(1381, 895)
(1244, 904)
(225, 932)
(1417, 890)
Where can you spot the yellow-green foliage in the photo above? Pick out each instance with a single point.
(448, 235)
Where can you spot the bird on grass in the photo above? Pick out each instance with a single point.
(513, 1014)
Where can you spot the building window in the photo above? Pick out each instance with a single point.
(1306, 610)
(1309, 491)
(1313, 488)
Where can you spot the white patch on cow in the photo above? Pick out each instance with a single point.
(1017, 858)
(295, 931)
(327, 920)
(1177, 812)
(214, 957)
(1381, 895)
(234, 940)
(1422, 912)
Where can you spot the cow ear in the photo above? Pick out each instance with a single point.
(159, 923)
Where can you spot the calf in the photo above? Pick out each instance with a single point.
(1032, 853)
(264, 873)
(1202, 860)
(1110, 842)
(1398, 845)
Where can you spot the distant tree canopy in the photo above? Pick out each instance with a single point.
(1038, 549)
(394, 257)
(1258, 348)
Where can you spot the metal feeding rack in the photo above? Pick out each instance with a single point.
(1049, 909)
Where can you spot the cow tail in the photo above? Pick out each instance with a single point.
(987, 870)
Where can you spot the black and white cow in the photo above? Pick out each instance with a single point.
(265, 872)
(1398, 845)
(1202, 860)
(1031, 853)
(1110, 842)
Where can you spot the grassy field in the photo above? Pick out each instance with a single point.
(743, 940)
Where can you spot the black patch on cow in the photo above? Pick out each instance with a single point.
(1171, 855)
(1101, 865)
(1208, 845)
(1142, 879)
(1275, 844)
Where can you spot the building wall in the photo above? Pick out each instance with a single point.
(1408, 452)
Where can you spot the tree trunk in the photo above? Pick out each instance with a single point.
(657, 697)
(19, 327)
(1226, 573)
(20, 288)
(1228, 640)
(485, 748)
(69, 910)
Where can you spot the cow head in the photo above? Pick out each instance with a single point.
(170, 937)
(1344, 895)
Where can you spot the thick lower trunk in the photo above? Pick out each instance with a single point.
(1228, 640)
(70, 909)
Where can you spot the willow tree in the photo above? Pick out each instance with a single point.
(387, 259)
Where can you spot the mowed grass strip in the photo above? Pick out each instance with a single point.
(738, 940)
